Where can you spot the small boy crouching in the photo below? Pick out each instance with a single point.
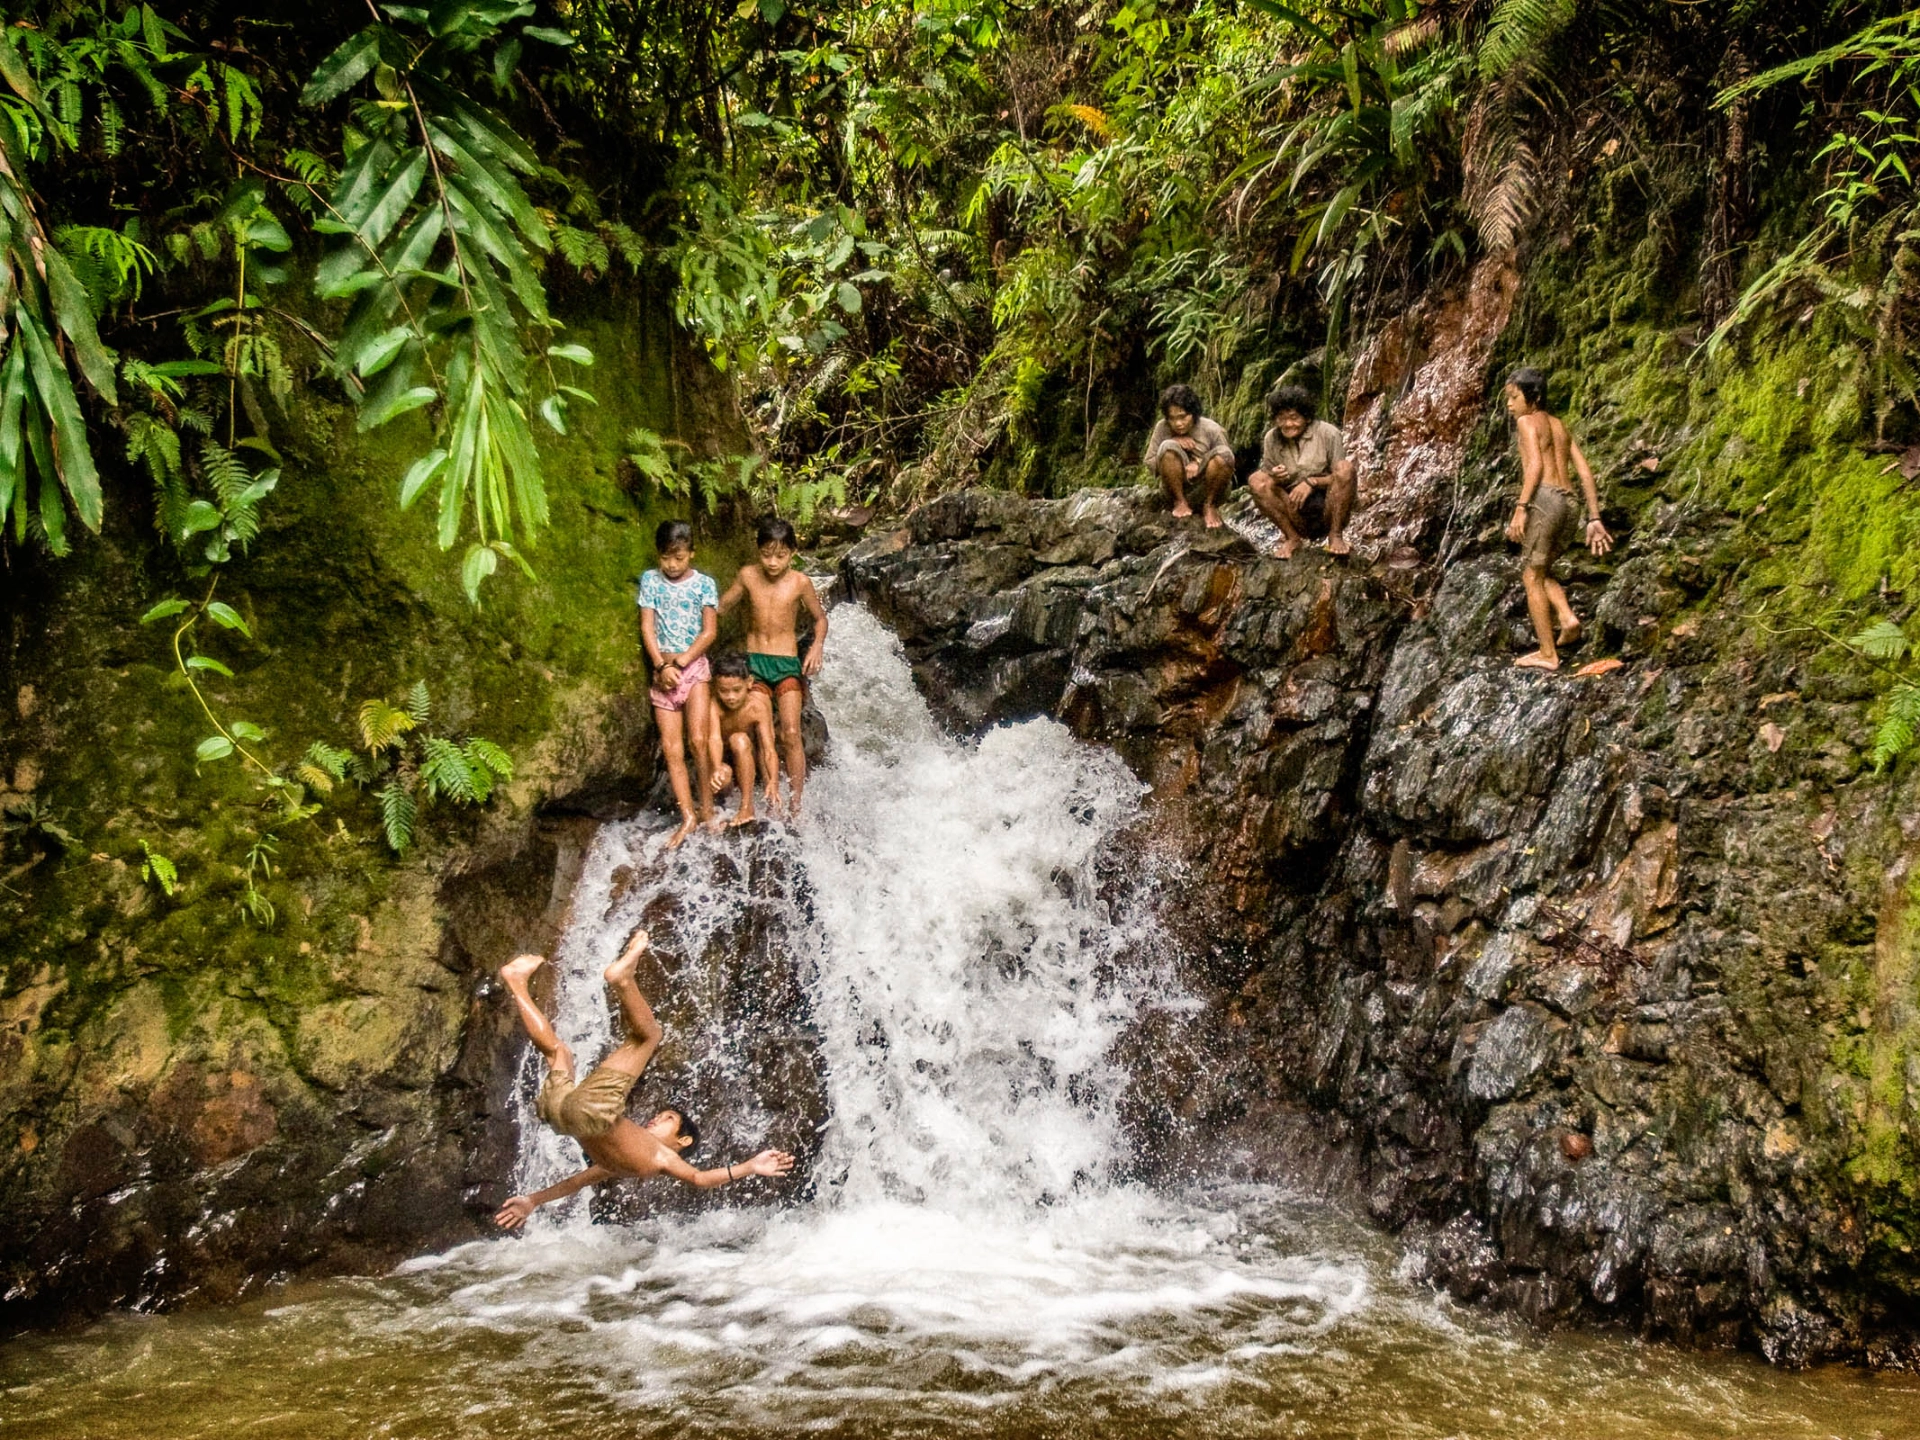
(740, 736)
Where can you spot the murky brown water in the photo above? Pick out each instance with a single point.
(1145, 1317)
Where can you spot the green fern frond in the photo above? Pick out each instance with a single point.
(158, 869)
(444, 771)
(1882, 641)
(623, 239)
(381, 725)
(484, 754)
(582, 249)
(397, 815)
(1519, 34)
(1898, 727)
(330, 759)
(419, 706)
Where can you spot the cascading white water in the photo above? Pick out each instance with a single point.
(977, 936)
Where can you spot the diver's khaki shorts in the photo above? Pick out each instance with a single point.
(1551, 519)
(589, 1109)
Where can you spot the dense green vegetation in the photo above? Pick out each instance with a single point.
(935, 243)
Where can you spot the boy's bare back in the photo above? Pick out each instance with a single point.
(1547, 435)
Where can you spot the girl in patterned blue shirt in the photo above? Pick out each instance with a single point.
(679, 618)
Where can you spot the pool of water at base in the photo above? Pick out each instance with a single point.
(1240, 1312)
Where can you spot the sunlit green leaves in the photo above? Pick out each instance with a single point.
(438, 249)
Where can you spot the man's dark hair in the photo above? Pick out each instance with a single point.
(687, 1128)
(1288, 396)
(1183, 396)
(772, 530)
(671, 535)
(1531, 383)
(731, 664)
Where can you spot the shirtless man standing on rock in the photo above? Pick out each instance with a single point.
(1544, 519)
(593, 1111)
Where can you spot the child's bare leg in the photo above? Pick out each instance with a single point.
(516, 973)
(793, 750)
(1173, 475)
(699, 718)
(643, 1031)
(1540, 612)
(673, 743)
(1219, 474)
(1568, 623)
(740, 747)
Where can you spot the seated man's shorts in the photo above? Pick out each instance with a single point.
(775, 673)
(1551, 518)
(586, 1110)
(1186, 456)
(698, 673)
(1312, 515)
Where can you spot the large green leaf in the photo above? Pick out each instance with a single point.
(74, 315)
(344, 68)
(72, 458)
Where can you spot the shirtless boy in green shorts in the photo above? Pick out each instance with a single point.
(773, 590)
(1544, 520)
(593, 1111)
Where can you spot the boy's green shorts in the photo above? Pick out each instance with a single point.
(775, 671)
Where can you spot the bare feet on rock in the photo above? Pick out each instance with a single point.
(1337, 545)
(1212, 518)
(1567, 634)
(1284, 550)
(678, 838)
(1537, 660)
(1182, 510)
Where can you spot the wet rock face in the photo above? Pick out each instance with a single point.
(1561, 964)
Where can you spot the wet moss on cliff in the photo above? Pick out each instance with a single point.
(351, 1007)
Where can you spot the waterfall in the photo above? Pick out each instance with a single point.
(975, 938)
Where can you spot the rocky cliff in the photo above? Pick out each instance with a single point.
(1601, 988)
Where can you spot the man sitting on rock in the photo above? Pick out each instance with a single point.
(593, 1111)
(1305, 483)
(1186, 447)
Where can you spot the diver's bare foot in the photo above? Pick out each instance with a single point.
(1337, 545)
(1212, 517)
(1537, 660)
(1182, 510)
(1284, 550)
(1567, 634)
(629, 961)
(521, 967)
(745, 817)
(675, 840)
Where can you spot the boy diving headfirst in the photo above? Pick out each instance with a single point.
(593, 1111)
(773, 590)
